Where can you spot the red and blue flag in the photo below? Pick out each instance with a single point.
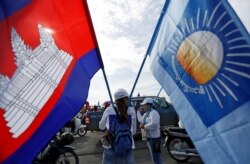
(48, 55)
(200, 54)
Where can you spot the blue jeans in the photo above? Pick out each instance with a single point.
(156, 156)
(109, 157)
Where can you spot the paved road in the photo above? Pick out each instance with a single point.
(89, 150)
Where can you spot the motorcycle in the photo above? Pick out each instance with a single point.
(78, 124)
(57, 152)
(180, 146)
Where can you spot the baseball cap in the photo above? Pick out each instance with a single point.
(147, 100)
(120, 93)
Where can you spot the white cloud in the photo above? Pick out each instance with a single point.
(120, 28)
(124, 29)
(242, 7)
(120, 53)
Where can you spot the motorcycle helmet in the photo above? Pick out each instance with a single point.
(66, 139)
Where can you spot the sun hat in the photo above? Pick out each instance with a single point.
(147, 100)
(120, 93)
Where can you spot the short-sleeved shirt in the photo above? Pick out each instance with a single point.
(151, 123)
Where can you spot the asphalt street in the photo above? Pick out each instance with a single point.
(89, 150)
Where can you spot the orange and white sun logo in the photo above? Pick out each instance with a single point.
(206, 51)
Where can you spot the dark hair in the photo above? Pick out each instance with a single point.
(122, 108)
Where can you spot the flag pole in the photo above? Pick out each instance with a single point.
(107, 84)
(159, 92)
(98, 49)
(150, 46)
(143, 62)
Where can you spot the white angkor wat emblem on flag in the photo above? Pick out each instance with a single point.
(38, 73)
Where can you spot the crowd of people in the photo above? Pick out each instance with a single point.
(95, 108)
(149, 123)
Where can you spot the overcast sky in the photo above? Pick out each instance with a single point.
(124, 29)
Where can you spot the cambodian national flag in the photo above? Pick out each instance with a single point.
(200, 54)
(48, 55)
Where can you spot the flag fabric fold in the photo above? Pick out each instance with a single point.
(49, 53)
(199, 53)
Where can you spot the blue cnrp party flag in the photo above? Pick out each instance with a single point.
(200, 54)
(48, 54)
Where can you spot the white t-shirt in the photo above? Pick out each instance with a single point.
(109, 117)
(152, 123)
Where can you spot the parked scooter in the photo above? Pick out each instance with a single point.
(180, 146)
(57, 152)
(83, 123)
(76, 126)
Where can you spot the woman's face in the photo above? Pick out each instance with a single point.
(146, 107)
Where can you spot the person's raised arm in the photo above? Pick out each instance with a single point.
(139, 116)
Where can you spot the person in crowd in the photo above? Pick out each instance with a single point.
(95, 108)
(106, 104)
(150, 122)
(85, 108)
(108, 119)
